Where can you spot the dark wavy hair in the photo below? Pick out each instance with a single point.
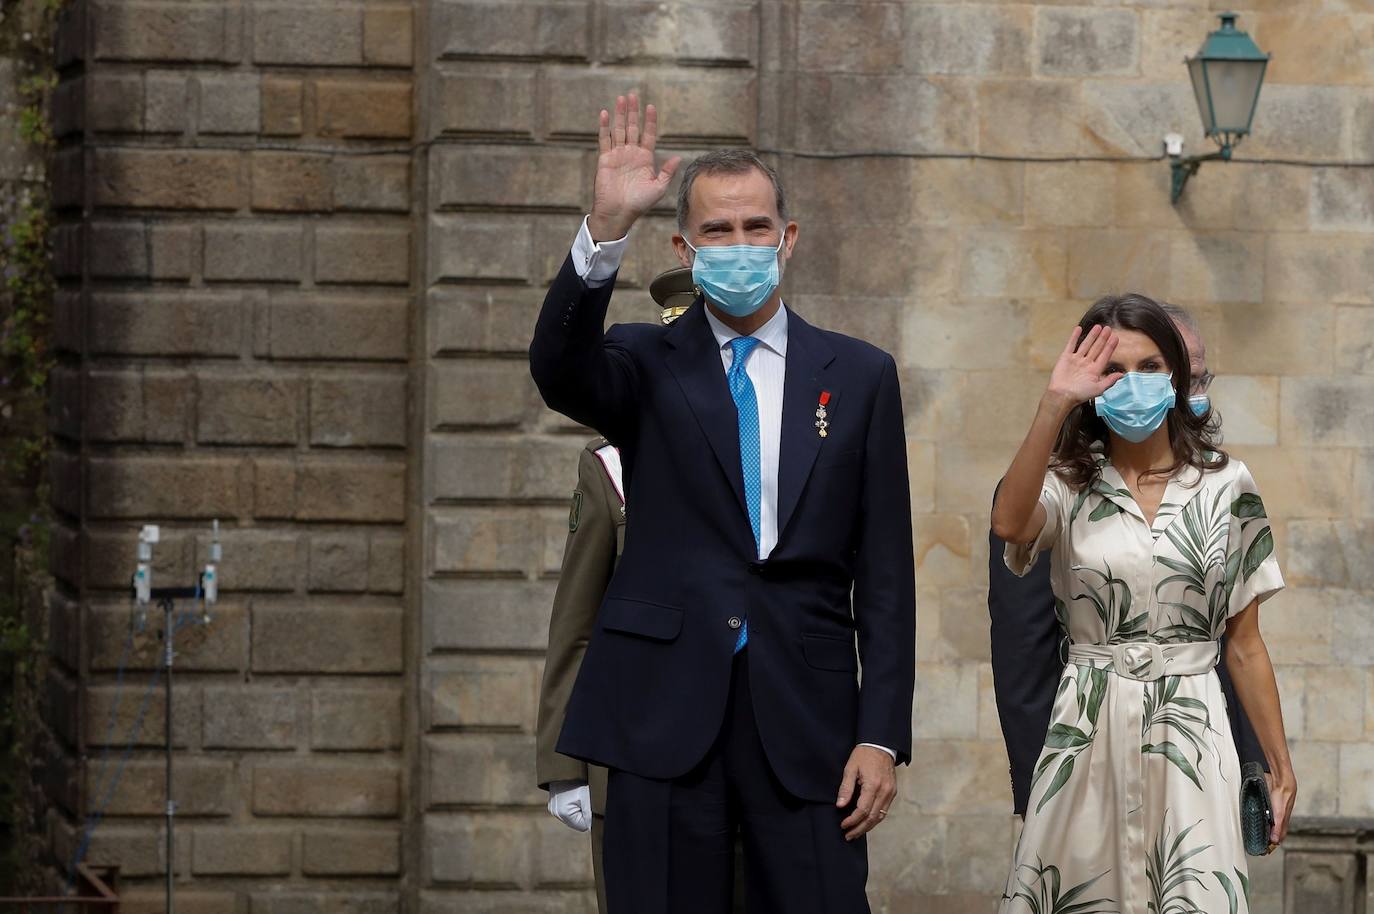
(1192, 437)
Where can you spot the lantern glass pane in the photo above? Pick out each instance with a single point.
(1200, 92)
(1234, 86)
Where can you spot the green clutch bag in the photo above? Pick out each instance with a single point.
(1256, 810)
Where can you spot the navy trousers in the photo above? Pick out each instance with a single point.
(670, 845)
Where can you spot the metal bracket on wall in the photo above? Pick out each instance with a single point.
(1184, 167)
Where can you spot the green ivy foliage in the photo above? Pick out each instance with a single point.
(26, 363)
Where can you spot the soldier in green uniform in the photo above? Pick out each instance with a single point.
(596, 535)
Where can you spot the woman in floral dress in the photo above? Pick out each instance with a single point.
(1160, 546)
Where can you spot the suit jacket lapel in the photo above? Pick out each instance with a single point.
(694, 360)
(808, 354)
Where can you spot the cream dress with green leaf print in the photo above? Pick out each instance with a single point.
(1134, 805)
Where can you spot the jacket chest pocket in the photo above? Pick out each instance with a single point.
(835, 459)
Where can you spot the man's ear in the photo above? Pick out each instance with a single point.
(684, 253)
(789, 238)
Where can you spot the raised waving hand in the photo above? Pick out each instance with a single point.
(1081, 371)
(627, 181)
(1079, 375)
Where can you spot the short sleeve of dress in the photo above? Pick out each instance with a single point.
(1252, 571)
(1054, 495)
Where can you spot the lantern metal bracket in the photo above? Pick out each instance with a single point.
(1184, 167)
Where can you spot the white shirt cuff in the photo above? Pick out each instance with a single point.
(884, 748)
(596, 263)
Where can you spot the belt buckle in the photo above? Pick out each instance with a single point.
(1129, 659)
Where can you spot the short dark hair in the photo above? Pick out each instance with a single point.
(726, 162)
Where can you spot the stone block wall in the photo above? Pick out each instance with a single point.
(234, 185)
(254, 193)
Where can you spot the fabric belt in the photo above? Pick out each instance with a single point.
(1134, 665)
(1146, 661)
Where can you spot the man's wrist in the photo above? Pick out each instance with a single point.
(605, 228)
(888, 752)
(595, 263)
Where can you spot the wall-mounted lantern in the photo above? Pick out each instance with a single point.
(1227, 74)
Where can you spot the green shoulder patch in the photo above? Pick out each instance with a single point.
(575, 512)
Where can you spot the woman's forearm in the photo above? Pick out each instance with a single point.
(1013, 512)
(1252, 672)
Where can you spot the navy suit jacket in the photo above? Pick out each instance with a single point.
(651, 693)
(1028, 651)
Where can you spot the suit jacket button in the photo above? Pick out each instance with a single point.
(734, 622)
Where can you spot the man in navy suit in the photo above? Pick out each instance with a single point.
(771, 537)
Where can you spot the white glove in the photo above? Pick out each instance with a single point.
(570, 802)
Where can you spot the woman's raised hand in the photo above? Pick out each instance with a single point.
(627, 183)
(1081, 372)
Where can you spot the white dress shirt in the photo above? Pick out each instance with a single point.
(766, 369)
(597, 263)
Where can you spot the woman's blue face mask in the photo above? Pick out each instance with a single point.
(1136, 405)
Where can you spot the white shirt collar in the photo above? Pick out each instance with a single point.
(772, 334)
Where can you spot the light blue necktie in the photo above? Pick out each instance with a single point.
(747, 405)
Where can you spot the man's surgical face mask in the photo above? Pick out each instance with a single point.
(1198, 401)
(737, 278)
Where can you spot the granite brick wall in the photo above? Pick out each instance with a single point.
(235, 253)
